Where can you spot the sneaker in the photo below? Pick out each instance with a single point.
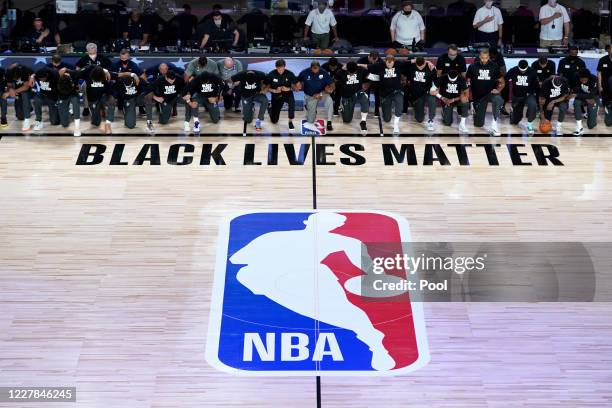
(186, 127)
(26, 125)
(430, 126)
(38, 126)
(258, 125)
(77, 132)
(364, 128)
(329, 126)
(494, 130)
(150, 128)
(376, 114)
(463, 128)
(579, 131)
(85, 112)
(291, 125)
(196, 127)
(3, 123)
(396, 130)
(530, 130)
(559, 129)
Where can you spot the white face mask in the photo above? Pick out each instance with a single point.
(488, 4)
(452, 79)
(218, 22)
(552, 3)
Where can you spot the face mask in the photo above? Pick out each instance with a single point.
(522, 69)
(488, 4)
(321, 9)
(452, 57)
(552, 3)
(218, 23)
(407, 13)
(452, 79)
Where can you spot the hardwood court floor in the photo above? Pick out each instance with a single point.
(106, 273)
(231, 123)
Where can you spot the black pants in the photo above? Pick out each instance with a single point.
(106, 103)
(562, 106)
(3, 108)
(348, 105)
(337, 98)
(591, 112)
(23, 105)
(129, 110)
(39, 102)
(63, 108)
(165, 108)
(392, 103)
(480, 108)
(231, 97)
(447, 112)
(490, 38)
(375, 89)
(278, 100)
(518, 105)
(419, 107)
(248, 106)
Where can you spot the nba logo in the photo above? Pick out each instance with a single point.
(316, 129)
(281, 305)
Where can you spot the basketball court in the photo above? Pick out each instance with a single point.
(108, 269)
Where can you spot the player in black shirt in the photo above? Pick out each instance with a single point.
(166, 90)
(389, 75)
(544, 69)
(604, 79)
(203, 90)
(451, 89)
(524, 83)
(4, 94)
(333, 68)
(372, 58)
(585, 95)
(282, 82)
(253, 85)
(570, 66)
(47, 95)
(353, 82)
(486, 82)
(451, 60)
(555, 92)
(68, 97)
(92, 58)
(420, 77)
(21, 80)
(127, 88)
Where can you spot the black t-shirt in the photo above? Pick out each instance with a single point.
(206, 84)
(350, 84)
(390, 78)
(168, 91)
(2, 80)
(61, 65)
(186, 24)
(48, 86)
(588, 90)
(256, 23)
(483, 78)
(247, 87)
(19, 75)
(33, 35)
(544, 72)
(126, 90)
(95, 89)
(550, 92)
(419, 80)
(451, 89)
(99, 60)
(523, 83)
(136, 29)
(605, 67)
(569, 68)
(366, 61)
(224, 32)
(331, 72)
(287, 78)
(445, 64)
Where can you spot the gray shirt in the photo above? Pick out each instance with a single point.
(227, 73)
(193, 69)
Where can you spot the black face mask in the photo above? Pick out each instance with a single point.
(407, 13)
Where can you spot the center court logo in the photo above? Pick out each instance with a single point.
(280, 305)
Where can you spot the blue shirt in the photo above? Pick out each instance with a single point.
(314, 83)
(131, 66)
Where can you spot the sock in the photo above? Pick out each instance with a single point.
(463, 121)
(493, 122)
(396, 120)
(579, 123)
(364, 116)
(149, 121)
(77, 123)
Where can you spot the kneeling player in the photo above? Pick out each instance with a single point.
(524, 90)
(282, 81)
(555, 92)
(486, 82)
(585, 95)
(391, 94)
(353, 90)
(203, 90)
(420, 78)
(128, 91)
(165, 90)
(253, 85)
(47, 95)
(452, 91)
(68, 98)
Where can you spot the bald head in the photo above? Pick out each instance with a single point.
(228, 62)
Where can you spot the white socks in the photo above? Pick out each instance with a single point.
(77, 123)
(579, 123)
(396, 120)
(493, 122)
(364, 116)
(462, 121)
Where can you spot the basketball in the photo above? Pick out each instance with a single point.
(545, 126)
(404, 51)
(328, 51)
(391, 51)
(316, 51)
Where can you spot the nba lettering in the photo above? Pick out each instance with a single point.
(521, 80)
(484, 74)
(276, 312)
(390, 72)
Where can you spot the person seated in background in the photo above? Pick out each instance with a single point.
(217, 8)
(585, 95)
(185, 24)
(136, 29)
(199, 65)
(555, 92)
(228, 67)
(407, 27)
(320, 21)
(219, 35)
(257, 24)
(42, 35)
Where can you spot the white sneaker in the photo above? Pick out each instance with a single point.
(196, 126)
(38, 126)
(396, 130)
(430, 126)
(77, 132)
(26, 125)
(579, 131)
(186, 127)
(494, 130)
(559, 129)
(463, 128)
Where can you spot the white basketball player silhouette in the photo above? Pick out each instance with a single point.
(286, 267)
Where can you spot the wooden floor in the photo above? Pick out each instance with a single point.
(106, 274)
(231, 123)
